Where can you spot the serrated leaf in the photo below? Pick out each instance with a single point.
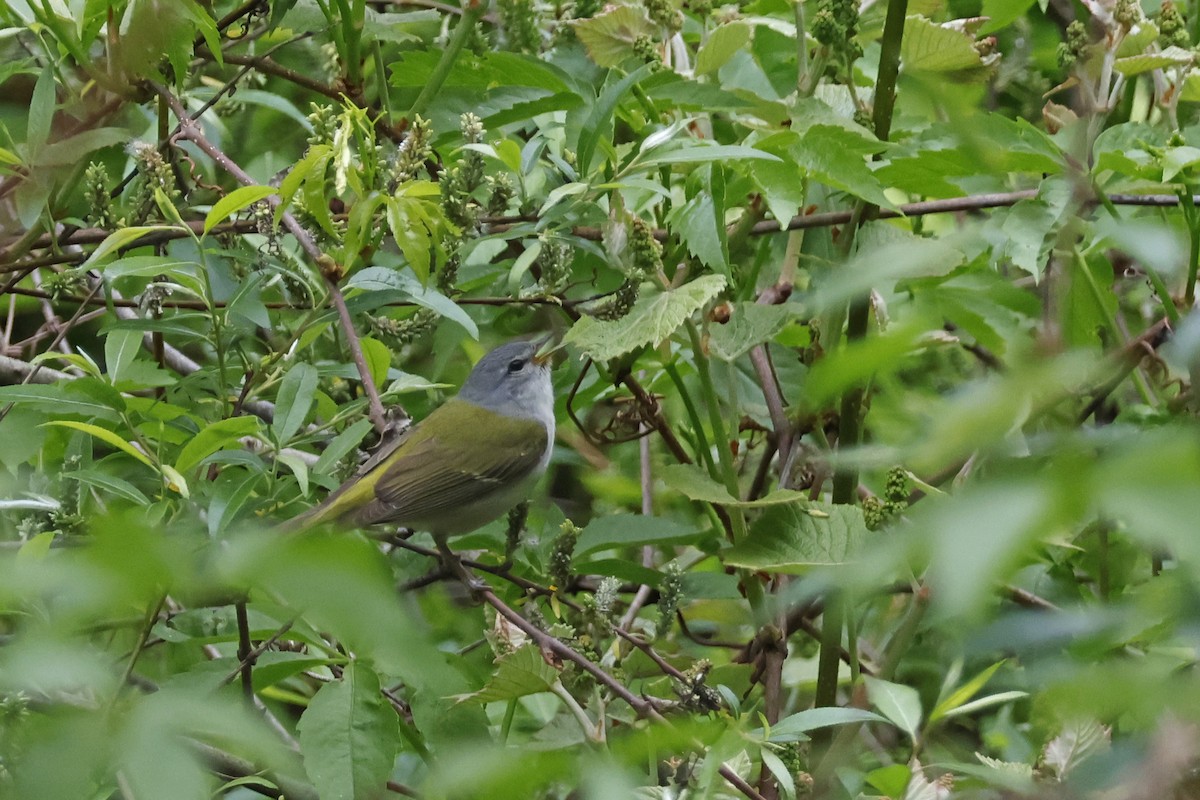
(838, 157)
(1144, 62)
(235, 201)
(609, 37)
(1078, 742)
(652, 319)
(899, 703)
(793, 539)
(749, 325)
(520, 673)
(930, 47)
(297, 392)
(699, 223)
(698, 152)
(349, 736)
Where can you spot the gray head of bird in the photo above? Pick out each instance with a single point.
(513, 380)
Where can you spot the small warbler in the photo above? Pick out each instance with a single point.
(471, 460)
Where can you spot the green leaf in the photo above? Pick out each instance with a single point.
(949, 48)
(652, 319)
(700, 222)
(600, 120)
(378, 279)
(520, 673)
(234, 202)
(73, 149)
(118, 239)
(217, 436)
(793, 539)
(41, 112)
(838, 157)
(1077, 742)
(349, 736)
(965, 692)
(340, 445)
(725, 41)
(105, 436)
(120, 348)
(700, 152)
(54, 399)
(1144, 62)
(108, 483)
(378, 358)
(792, 728)
(609, 36)
(627, 530)
(749, 325)
(690, 481)
(297, 392)
(900, 704)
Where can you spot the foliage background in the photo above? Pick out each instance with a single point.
(877, 467)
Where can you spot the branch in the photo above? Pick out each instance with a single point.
(190, 130)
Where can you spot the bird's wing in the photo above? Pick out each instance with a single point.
(424, 476)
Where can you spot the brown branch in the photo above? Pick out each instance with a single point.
(191, 131)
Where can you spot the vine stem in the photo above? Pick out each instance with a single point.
(845, 482)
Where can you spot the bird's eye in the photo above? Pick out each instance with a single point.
(516, 365)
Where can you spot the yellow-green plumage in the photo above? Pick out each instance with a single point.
(463, 461)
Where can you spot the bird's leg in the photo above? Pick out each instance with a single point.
(455, 567)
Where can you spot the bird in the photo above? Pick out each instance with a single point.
(470, 461)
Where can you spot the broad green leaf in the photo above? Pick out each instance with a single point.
(838, 157)
(749, 325)
(1031, 226)
(1077, 742)
(725, 41)
(627, 530)
(609, 36)
(517, 674)
(899, 703)
(652, 319)
(73, 149)
(690, 481)
(297, 393)
(793, 539)
(949, 48)
(1144, 62)
(240, 198)
(700, 223)
(105, 436)
(349, 736)
(216, 436)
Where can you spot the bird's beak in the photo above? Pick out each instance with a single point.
(545, 351)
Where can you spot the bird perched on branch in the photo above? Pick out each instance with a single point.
(467, 463)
